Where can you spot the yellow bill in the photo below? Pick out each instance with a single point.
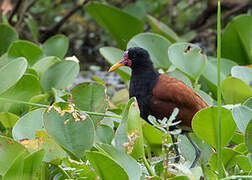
(115, 66)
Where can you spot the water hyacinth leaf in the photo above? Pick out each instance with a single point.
(205, 125)
(243, 73)
(210, 72)
(235, 91)
(8, 120)
(28, 124)
(156, 45)
(136, 9)
(11, 73)
(188, 58)
(59, 75)
(27, 87)
(104, 134)
(56, 46)
(109, 17)
(242, 115)
(32, 164)
(106, 167)
(162, 29)
(248, 136)
(8, 35)
(129, 164)
(248, 103)
(9, 151)
(114, 55)
(236, 40)
(181, 76)
(53, 151)
(22, 48)
(69, 128)
(90, 97)
(43, 64)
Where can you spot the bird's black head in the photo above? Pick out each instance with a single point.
(135, 57)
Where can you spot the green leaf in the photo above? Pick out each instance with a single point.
(242, 115)
(27, 87)
(33, 26)
(243, 162)
(8, 119)
(181, 76)
(59, 75)
(188, 58)
(129, 164)
(43, 64)
(104, 133)
(90, 97)
(28, 124)
(112, 56)
(236, 40)
(15, 172)
(72, 130)
(26, 49)
(210, 72)
(248, 136)
(136, 9)
(243, 73)
(32, 164)
(11, 73)
(9, 151)
(156, 45)
(106, 167)
(122, 26)
(235, 91)
(205, 125)
(56, 46)
(8, 35)
(162, 29)
(53, 152)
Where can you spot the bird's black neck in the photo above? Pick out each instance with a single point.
(143, 80)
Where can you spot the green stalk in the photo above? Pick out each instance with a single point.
(219, 147)
(64, 172)
(46, 106)
(147, 165)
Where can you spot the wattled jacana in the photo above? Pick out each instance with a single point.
(158, 94)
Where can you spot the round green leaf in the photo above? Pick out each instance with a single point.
(205, 125)
(114, 55)
(210, 72)
(248, 136)
(9, 151)
(188, 58)
(156, 45)
(236, 40)
(106, 167)
(74, 135)
(235, 91)
(28, 124)
(26, 49)
(43, 64)
(11, 73)
(162, 29)
(56, 46)
(8, 35)
(242, 115)
(59, 75)
(90, 97)
(104, 133)
(27, 87)
(129, 164)
(243, 73)
(8, 119)
(110, 17)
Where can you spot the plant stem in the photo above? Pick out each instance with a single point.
(146, 163)
(64, 172)
(219, 145)
(46, 106)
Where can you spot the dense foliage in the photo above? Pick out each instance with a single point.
(51, 128)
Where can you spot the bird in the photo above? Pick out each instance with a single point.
(159, 94)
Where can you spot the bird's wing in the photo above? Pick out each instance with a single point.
(169, 93)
